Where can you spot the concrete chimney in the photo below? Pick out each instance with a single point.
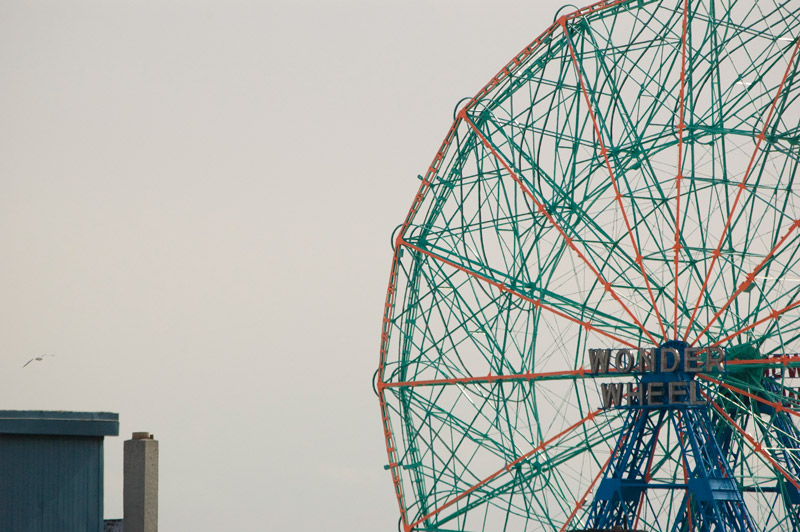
(140, 488)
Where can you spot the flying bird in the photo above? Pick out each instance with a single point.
(39, 358)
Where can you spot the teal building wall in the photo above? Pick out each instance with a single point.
(51, 470)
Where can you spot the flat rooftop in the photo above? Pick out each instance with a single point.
(59, 423)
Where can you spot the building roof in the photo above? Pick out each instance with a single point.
(59, 423)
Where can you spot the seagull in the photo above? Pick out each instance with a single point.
(39, 358)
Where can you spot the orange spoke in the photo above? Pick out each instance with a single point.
(772, 316)
(749, 279)
(753, 443)
(541, 209)
(507, 468)
(679, 176)
(782, 360)
(604, 152)
(514, 377)
(777, 406)
(535, 302)
(490, 379)
(741, 187)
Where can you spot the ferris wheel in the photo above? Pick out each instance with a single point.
(593, 314)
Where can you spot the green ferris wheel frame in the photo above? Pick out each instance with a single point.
(626, 181)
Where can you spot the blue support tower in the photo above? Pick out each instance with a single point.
(712, 501)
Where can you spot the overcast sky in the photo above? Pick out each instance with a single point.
(196, 204)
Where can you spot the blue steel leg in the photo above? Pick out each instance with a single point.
(713, 500)
(616, 503)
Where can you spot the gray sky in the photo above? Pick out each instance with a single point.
(196, 203)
